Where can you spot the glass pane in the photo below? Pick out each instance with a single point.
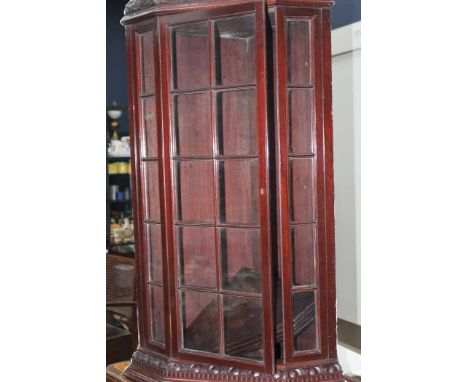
(200, 321)
(305, 326)
(197, 256)
(190, 55)
(157, 314)
(145, 41)
(149, 127)
(240, 259)
(303, 239)
(155, 252)
(299, 52)
(238, 190)
(243, 327)
(301, 121)
(195, 191)
(237, 122)
(235, 51)
(192, 126)
(151, 175)
(302, 190)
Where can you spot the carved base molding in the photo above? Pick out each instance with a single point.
(146, 368)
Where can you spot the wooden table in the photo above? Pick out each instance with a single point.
(114, 372)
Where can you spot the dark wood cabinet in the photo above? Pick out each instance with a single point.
(230, 110)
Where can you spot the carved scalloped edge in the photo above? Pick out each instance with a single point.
(138, 5)
(172, 370)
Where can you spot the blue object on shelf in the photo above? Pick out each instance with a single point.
(120, 195)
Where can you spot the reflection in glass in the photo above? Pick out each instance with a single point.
(146, 53)
(237, 122)
(200, 321)
(152, 190)
(302, 190)
(155, 252)
(149, 127)
(238, 189)
(243, 327)
(197, 256)
(303, 239)
(299, 52)
(301, 121)
(235, 51)
(157, 314)
(305, 328)
(240, 259)
(192, 126)
(189, 46)
(194, 181)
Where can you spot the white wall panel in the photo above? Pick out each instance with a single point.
(346, 67)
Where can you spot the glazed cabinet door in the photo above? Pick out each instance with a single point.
(215, 168)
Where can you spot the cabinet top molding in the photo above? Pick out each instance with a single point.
(135, 8)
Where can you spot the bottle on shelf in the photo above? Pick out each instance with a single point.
(116, 232)
(127, 231)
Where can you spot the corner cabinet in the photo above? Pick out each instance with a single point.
(230, 110)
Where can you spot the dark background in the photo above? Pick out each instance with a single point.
(344, 12)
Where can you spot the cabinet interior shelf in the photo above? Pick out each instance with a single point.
(118, 159)
(122, 176)
(120, 244)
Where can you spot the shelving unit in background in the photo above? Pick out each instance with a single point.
(116, 207)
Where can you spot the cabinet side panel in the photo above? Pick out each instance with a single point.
(305, 184)
(328, 145)
(135, 139)
(147, 186)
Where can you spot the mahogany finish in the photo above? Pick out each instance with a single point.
(232, 174)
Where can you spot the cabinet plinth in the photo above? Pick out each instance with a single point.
(149, 368)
